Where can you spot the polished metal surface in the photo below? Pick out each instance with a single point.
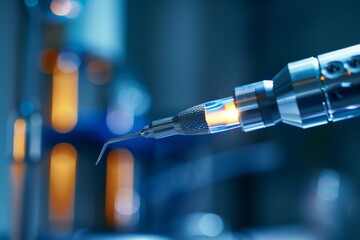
(246, 101)
(299, 96)
(267, 103)
(161, 128)
(305, 93)
(341, 82)
(308, 93)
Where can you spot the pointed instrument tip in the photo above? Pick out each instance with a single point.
(102, 152)
(118, 139)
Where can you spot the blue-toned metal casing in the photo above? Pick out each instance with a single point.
(305, 93)
(313, 91)
(257, 106)
(340, 75)
(299, 95)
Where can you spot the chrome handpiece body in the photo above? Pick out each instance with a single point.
(306, 93)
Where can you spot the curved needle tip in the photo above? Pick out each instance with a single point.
(102, 152)
(118, 139)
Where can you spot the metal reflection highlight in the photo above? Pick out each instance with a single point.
(65, 96)
(62, 185)
(121, 201)
(19, 141)
(221, 115)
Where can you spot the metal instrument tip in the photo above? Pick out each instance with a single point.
(117, 139)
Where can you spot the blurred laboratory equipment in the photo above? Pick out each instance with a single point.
(76, 73)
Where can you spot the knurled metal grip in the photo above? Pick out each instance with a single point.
(192, 121)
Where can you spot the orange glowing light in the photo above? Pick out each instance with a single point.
(228, 114)
(17, 194)
(62, 185)
(322, 78)
(64, 100)
(119, 187)
(19, 141)
(48, 60)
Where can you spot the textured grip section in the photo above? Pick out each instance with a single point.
(192, 121)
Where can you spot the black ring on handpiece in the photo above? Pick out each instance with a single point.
(267, 104)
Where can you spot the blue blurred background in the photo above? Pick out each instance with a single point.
(77, 72)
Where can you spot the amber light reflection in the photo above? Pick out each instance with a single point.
(19, 141)
(64, 100)
(17, 183)
(226, 115)
(119, 187)
(62, 185)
